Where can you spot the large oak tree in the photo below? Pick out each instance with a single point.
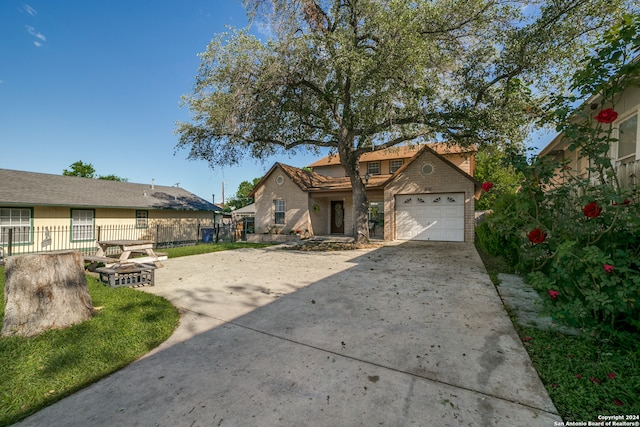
(364, 75)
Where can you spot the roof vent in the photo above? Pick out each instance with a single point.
(152, 183)
(144, 193)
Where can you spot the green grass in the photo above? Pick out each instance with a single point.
(206, 248)
(38, 371)
(585, 375)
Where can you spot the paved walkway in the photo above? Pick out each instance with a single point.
(410, 334)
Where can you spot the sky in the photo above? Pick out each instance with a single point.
(100, 82)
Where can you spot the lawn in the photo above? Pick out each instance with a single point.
(206, 248)
(586, 375)
(37, 371)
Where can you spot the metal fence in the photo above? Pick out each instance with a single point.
(29, 240)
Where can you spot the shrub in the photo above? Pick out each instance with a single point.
(577, 233)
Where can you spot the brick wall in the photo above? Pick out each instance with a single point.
(296, 205)
(443, 179)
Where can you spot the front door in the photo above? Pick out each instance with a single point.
(337, 217)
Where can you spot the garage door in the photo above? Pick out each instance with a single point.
(430, 217)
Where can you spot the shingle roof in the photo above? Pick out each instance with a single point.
(19, 188)
(313, 181)
(398, 152)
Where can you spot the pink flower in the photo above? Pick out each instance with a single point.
(611, 375)
(592, 210)
(537, 236)
(486, 186)
(618, 402)
(553, 294)
(606, 116)
(608, 268)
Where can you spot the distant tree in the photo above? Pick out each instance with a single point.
(113, 178)
(493, 166)
(86, 170)
(81, 169)
(357, 76)
(241, 198)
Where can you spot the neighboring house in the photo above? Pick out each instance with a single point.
(624, 153)
(415, 193)
(248, 211)
(32, 201)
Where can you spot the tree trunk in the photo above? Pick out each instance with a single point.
(360, 210)
(351, 162)
(45, 291)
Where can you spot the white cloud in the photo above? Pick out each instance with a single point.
(35, 34)
(38, 44)
(31, 11)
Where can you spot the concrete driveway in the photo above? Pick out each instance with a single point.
(409, 334)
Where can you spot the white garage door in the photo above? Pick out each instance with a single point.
(430, 217)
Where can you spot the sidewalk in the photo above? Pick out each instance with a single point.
(410, 334)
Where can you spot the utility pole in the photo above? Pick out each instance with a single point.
(223, 205)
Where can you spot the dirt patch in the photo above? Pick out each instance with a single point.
(330, 246)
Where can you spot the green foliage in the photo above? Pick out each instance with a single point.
(492, 166)
(586, 375)
(587, 265)
(86, 170)
(241, 198)
(113, 178)
(207, 248)
(38, 371)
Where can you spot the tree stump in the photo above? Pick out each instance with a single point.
(45, 291)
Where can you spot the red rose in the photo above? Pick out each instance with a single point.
(607, 116)
(487, 186)
(608, 268)
(592, 210)
(537, 236)
(553, 294)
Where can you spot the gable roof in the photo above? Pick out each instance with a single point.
(312, 181)
(19, 188)
(397, 152)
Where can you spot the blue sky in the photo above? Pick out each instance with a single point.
(101, 82)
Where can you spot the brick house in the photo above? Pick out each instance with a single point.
(423, 192)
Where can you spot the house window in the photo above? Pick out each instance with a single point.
(142, 219)
(395, 165)
(81, 224)
(279, 208)
(19, 221)
(373, 168)
(376, 212)
(627, 137)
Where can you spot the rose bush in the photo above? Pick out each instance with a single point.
(577, 231)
